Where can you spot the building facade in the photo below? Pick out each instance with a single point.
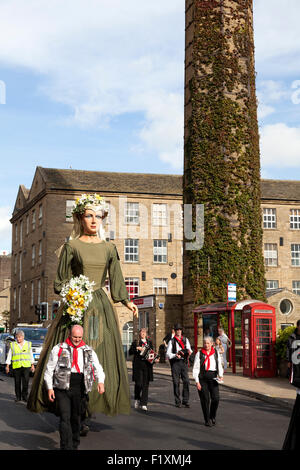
(280, 205)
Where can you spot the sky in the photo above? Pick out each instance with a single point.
(98, 85)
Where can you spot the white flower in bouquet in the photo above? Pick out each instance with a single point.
(77, 295)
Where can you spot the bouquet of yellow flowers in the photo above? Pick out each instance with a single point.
(76, 295)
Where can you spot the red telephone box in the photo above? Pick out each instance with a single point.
(258, 338)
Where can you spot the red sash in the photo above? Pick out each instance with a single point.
(75, 353)
(180, 342)
(207, 357)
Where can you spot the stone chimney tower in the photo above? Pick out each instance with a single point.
(221, 155)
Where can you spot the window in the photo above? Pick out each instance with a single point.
(16, 233)
(20, 267)
(286, 306)
(69, 207)
(131, 250)
(295, 254)
(21, 233)
(283, 326)
(132, 213)
(272, 285)
(107, 284)
(144, 320)
(160, 286)
(33, 220)
(108, 219)
(269, 218)
(270, 254)
(32, 294)
(33, 256)
(40, 214)
(16, 264)
(295, 219)
(19, 302)
(40, 251)
(27, 224)
(160, 214)
(15, 299)
(39, 291)
(127, 336)
(296, 287)
(132, 285)
(160, 251)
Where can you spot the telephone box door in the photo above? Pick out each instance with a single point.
(246, 340)
(263, 350)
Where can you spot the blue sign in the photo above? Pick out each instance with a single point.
(231, 292)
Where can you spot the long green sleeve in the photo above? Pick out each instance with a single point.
(118, 289)
(64, 270)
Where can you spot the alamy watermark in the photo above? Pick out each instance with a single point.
(2, 92)
(296, 352)
(158, 221)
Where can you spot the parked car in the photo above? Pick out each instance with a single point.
(5, 339)
(37, 336)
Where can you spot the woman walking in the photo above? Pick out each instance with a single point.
(142, 370)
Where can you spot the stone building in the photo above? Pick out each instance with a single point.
(281, 245)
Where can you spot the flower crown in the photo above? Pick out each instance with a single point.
(89, 200)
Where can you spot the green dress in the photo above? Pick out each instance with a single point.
(101, 328)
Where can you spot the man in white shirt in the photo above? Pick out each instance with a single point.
(207, 372)
(71, 370)
(178, 353)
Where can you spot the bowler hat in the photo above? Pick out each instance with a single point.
(177, 326)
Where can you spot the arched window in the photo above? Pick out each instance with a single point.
(127, 337)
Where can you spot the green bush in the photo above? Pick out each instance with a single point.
(281, 342)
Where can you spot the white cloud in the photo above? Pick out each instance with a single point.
(280, 146)
(103, 58)
(5, 229)
(276, 28)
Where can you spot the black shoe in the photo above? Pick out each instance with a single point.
(208, 423)
(25, 399)
(84, 430)
(178, 405)
(186, 405)
(17, 399)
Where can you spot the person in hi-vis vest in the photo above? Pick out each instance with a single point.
(21, 358)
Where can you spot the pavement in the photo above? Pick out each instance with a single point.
(276, 390)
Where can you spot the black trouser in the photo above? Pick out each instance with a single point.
(209, 394)
(180, 371)
(141, 386)
(69, 406)
(21, 376)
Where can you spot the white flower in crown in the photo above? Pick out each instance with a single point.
(88, 199)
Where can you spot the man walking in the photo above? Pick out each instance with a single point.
(71, 370)
(178, 353)
(21, 357)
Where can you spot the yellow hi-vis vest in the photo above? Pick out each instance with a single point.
(21, 357)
